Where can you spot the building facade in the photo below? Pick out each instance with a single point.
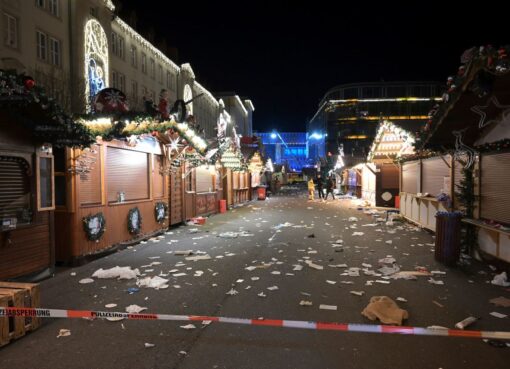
(76, 48)
(241, 113)
(348, 115)
(286, 148)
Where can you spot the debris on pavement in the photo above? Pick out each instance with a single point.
(198, 257)
(110, 306)
(262, 294)
(232, 292)
(183, 252)
(498, 315)
(466, 322)
(501, 280)
(497, 343)
(86, 280)
(386, 310)
(64, 333)
(188, 326)
(153, 282)
(353, 219)
(401, 299)
(272, 288)
(327, 307)
(132, 290)
(357, 293)
(149, 345)
(358, 234)
(500, 301)
(435, 281)
(305, 303)
(314, 266)
(135, 309)
(116, 272)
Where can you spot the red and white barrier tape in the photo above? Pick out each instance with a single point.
(321, 326)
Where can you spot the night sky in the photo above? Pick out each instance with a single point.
(286, 56)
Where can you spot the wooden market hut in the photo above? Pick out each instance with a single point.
(235, 177)
(380, 174)
(467, 140)
(119, 189)
(33, 130)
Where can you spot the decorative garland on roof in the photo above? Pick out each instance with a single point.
(488, 61)
(39, 113)
(501, 145)
(425, 154)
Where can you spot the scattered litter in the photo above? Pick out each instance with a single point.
(116, 272)
(353, 219)
(132, 290)
(365, 265)
(73, 274)
(110, 306)
(382, 281)
(232, 292)
(437, 303)
(198, 273)
(183, 252)
(298, 267)
(284, 225)
(149, 345)
(198, 257)
(188, 326)
(327, 307)
(86, 280)
(357, 293)
(314, 266)
(387, 260)
(305, 303)
(386, 310)
(206, 322)
(500, 301)
(435, 281)
(330, 282)
(401, 299)
(466, 322)
(64, 333)
(501, 280)
(255, 278)
(438, 272)
(347, 282)
(272, 288)
(135, 309)
(276, 272)
(179, 275)
(497, 343)
(358, 234)
(311, 236)
(153, 282)
(306, 294)
(498, 315)
(262, 294)
(115, 319)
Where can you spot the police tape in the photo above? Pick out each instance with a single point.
(320, 326)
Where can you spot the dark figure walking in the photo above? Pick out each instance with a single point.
(320, 187)
(330, 185)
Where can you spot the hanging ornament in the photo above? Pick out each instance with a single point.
(461, 149)
(110, 100)
(28, 82)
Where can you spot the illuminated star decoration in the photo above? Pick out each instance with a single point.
(479, 109)
(174, 145)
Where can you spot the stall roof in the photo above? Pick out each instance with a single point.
(469, 99)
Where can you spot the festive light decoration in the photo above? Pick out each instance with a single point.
(462, 149)
(501, 145)
(204, 91)
(480, 110)
(397, 99)
(96, 59)
(256, 164)
(187, 97)
(146, 44)
(269, 165)
(238, 99)
(402, 141)
(186, 67)
(250, 104)
(231, 159)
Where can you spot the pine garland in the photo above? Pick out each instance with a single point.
(466, 196)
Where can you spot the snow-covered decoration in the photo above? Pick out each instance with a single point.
(391, 142)
(96, 59)
(187, 97)
(136, 36)
(340, 159)
(109, 4)
(187, 68)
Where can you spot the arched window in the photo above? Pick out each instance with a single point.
(96, 60)
(188, 95)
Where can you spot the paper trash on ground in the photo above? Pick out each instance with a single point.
(328, 307)
(500, 301)
(86, 280)
(188, 326)
(116, 272)
(198, 257)
(501, 280)
(154, 282)
(64, 333)
(135, 309)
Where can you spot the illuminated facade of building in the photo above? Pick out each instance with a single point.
(349, 114)
(287, 148)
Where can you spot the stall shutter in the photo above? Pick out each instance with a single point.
(90, 182)
(495, 186)
(434, 171)
(389, 176)
(158, 185)
(14, 189)
(410, 177)
(204, 180)
(128, 172)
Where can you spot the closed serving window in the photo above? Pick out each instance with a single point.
(127, 175)
(495, 186)
(15, 194)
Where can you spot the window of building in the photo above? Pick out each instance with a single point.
(115, 79)
(144, 63)
(152, 68)
(169, 80)
(15, 193)
(10, 31)
(54, 7)
(55, 52)
(45, 175)
(134, 57)
(134, 92)
(118, 45)
(122, 82)
(160, 74)
(122, 166)
(42, 48)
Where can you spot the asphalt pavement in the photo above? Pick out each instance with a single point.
(273, 236)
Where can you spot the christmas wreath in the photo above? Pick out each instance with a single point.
(94, 226)
(134, 221)
(160, 212)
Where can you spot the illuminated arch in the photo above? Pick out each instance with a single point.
(188, 95)
(96, 59)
